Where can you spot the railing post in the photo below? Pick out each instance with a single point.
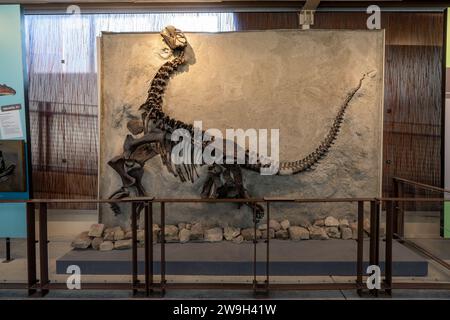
(148, 244)
(388, 250)
(43, 248)
(134, 257)
(163, 248)
(400, 219)
(255, 283)
(31, 248)
(8, 251)
(374, 236)
(268, 247)
(360, 248)
(396, 213)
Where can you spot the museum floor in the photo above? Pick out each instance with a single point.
(59, 246)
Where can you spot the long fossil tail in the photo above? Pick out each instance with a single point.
(294, 167)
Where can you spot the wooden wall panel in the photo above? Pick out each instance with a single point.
(413, 85)
(266, 20)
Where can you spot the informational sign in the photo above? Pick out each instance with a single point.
(12, 123)
(10, 126)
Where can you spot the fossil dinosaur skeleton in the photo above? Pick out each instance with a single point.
(151, 136)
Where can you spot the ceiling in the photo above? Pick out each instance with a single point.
(228, 5)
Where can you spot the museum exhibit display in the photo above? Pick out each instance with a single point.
(224, 150)
(192, 86)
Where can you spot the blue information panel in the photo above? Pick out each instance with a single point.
(12, 124)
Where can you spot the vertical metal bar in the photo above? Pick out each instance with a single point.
(388, 257)
(268, 246)
(147, 245)
(373, 236)
(401, 216)
(396, 207)
(377, 233)
(254, 247)
(150, 243)
(372, 247)
(163, 247)
(43, 248)
(360, 247)
(31, 248)
(8, 251)
(134, 247)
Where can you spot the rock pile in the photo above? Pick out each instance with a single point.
(105, 239)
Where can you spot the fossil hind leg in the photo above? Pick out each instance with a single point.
(226, 182)
(238, 181)
(119, 194)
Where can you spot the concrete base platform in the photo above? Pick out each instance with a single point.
(287, 258)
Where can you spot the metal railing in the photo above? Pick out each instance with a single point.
(42, 285)
(399, 219)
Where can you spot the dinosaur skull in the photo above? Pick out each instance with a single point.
(174, 38)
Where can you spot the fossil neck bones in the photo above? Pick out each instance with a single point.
(150, 136)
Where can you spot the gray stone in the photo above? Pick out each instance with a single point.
(140, 235)
(119, 235)
(123, 244)
(347, 233)
(285, 224)
(271, 234)
(354, 227)
(106, 246)
(282, 234)
(231, 232)
(319, 223)
(113, 229)
(274, 224)
(96, 242)
(333, 232)
(304, 224)
(331, 222)
(343, 223)
(317, 233)
(108, 234)
(249, 234)
(171, 232)
(214, 235)
(156, 235)
(185, 235)
(298, 233)
(96, 230)
(238, 239)
(128, 234)
(262, 227)
(197, 232)
(367, 225)
(82, 241)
